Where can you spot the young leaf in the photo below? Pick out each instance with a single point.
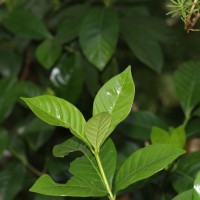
(116, 97)
(47, 53)
(187, 195)
(187, 84)
(96, 129)
(98, 36)
(146, 162)
(177, 137)
(159, 136)
(58, 112)
(196, 190)
(25, 23)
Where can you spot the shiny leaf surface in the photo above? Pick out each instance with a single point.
(58, 112)
(146, 162)
(116, 97)
(196, 189)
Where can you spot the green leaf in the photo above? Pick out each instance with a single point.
(37, 133)
(196, 189)
(68, 29)
(159, 136)
(86, 179)
(138, 125)
(8, 66)
(3, 140)
(186, 171)
(98, 36)
(44, 197)
(47, 53)
(187, 83)
(146, 162)
(71, 145)
(193, 128)
(177, 137)
(58, 112)
(116, 97)
(187, 195)
(96, 129)
(67, 77)
(146, 50)
(26, 24)
(11, 180)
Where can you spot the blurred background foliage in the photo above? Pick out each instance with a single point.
(70, 48)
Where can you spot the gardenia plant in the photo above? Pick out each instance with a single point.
(94, 174)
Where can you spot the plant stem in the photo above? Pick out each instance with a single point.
(187, 118)
(103, 176)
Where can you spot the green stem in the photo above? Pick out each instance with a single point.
(186, 120)
(103, 176)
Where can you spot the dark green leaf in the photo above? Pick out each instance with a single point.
(186, 171)
(37, 133)
(193, 128)
(11, 180)
(68, 77)
(25, 23)
(142, 44)
(138, 125)
(47, 53)
(146, 162)
(116, 97)
(187, 84)
(3, 140)
(68, 30)
(98, 36)
(44, 197)
(58, 112)
(8, 66)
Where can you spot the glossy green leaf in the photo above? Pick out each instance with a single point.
(86, 180)
(3, 140)
(96, 129)
(67, 77)
(177, 137)
(138, 125)
(144, 163)
(68, 29)
(25, 23)
(11, 180)
(58, 112)
(98, 36)
(116, 97)
(187, 195)
(47, 53)
(187, 84)
(186, 171)
(196, 189)
(146, 50)
(44, 197)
